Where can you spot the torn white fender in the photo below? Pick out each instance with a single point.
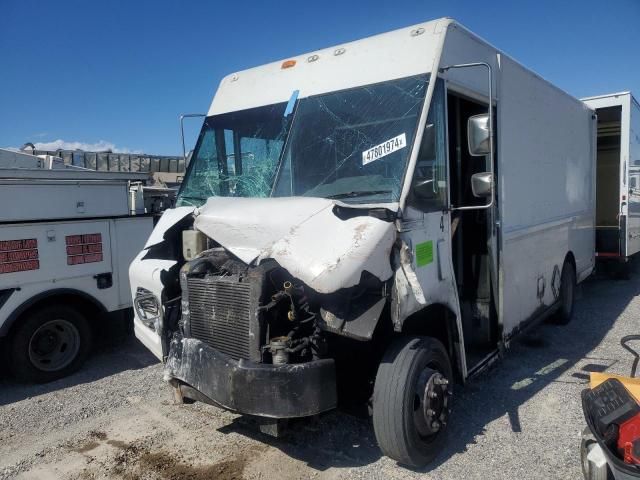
(408, 294)
(304, 236)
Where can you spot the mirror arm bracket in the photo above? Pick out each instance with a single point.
(182, 117)
(491, 169)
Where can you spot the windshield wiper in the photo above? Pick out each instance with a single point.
(359, 193)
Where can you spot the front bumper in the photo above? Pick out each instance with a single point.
(275, 391)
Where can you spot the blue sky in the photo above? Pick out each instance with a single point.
(118, 73)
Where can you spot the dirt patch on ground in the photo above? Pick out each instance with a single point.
(98, 435)
(167, 467)
(138, 462)
(86, 447)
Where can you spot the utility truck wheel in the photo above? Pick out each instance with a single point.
(412, 400)
(567, 295)
(49, 343)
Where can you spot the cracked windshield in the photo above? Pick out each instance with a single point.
(351, 145)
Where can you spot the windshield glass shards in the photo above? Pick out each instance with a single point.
(236, 155)
(351, 145)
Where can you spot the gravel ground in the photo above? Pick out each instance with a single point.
(116, 420)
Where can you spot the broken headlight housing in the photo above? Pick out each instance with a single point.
(148, 308)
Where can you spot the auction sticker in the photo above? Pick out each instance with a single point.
(384, 149)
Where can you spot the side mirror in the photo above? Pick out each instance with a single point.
(478, 135)
(423, 189)
(481, 184)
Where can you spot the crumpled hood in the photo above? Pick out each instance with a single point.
(303, 235)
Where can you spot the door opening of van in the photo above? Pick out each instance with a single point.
(608, 181)
(470, 236)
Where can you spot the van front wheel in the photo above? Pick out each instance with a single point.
(412, 400)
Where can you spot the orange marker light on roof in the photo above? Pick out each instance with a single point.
(288, 64)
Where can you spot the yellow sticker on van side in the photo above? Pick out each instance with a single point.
(424, 253)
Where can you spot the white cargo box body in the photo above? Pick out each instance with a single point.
(618, 175)
(30, 194)
(545, 159)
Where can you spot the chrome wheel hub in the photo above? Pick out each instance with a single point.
(432, 399)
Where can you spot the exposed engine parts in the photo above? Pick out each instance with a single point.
(304, 340)
(279, 348)
(256, 313)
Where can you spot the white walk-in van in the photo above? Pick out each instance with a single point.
(617, 176)
(373, 220)
(67, 237)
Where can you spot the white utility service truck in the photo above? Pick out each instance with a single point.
(383, 215)
(617, 176)
(67, 237)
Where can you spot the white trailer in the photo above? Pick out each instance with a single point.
(67, 237)
(618, 175)
(358, 215)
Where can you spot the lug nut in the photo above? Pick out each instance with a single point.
(430, 413)
(433, 395)
(435, 425)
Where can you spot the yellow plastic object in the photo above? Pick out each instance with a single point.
(631, 384)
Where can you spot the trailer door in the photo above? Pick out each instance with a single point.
(632, 135)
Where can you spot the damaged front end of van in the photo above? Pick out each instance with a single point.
(259, 302)
(281, 259)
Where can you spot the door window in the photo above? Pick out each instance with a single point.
(430, 176)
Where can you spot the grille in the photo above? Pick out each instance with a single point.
(219, 315)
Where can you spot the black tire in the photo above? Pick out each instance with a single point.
(397, 405)
(49, 343)
(566, 297)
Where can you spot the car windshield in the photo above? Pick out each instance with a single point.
(351, 145)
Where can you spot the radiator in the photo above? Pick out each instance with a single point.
(220, 314)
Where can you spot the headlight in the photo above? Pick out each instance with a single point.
(148, 308)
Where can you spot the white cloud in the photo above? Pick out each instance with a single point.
(99, 146)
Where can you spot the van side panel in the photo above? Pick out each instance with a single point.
(546, 151)
(545, 185)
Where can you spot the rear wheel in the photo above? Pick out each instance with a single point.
(412, 400)
(566, 296)
(49, 343)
